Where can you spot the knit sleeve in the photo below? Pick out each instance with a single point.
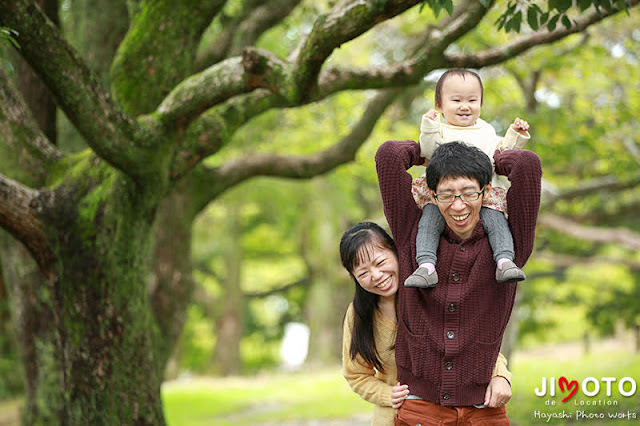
(430, 136)
(513, 140)
(359, 374)
(524, 171)
(393, 159)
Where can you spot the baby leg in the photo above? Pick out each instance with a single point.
(497, 228)
(430, 227)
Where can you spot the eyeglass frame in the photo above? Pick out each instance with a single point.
(478, 193)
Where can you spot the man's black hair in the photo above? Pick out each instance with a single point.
(457, 159)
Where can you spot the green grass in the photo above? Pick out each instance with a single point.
(281, 398)
(272, 398)
(322, 394)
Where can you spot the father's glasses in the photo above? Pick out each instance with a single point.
(466, 197)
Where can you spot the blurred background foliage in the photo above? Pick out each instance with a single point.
(265, 254)
(583, 115)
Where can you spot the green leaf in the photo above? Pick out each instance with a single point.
(485, 3)
(551, 25)
(544, 17)
(449, 7)
(532, 18)
(566, 22)
(584, 5)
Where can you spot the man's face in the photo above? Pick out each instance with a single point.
(462, 217)
(461, 100)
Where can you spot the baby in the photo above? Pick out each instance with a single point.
(458, 97)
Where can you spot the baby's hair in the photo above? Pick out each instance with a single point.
(462, 73)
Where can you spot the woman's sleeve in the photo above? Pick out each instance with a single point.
(501, 370)
(359, 374)
(524, 171)
(393, 159)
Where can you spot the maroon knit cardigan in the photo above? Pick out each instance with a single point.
(449, 336)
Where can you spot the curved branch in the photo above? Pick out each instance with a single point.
(348, 20)
(244, 29)
(218, 49)
(605, 183)
(159, 51)
(427, 56)
(522, 44)
(19, 206)
(433, 55)
(23, 141)
(211, 130)
(202, 91)
(623, 236)
(73, 85)
(214, 182)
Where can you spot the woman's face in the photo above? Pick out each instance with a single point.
(377, 271)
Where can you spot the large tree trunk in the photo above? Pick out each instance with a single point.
(98, 365)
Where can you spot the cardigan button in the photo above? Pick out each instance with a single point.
(450, 335)
(446, 395)
(452, 307)
(448, 365)
(456, 276)
(462, 248)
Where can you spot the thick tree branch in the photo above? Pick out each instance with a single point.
(213, 129)
(245, 29)
(427, 57)
(411, 70)
(524, 43)
(24, 146)
(74, 87)
(348, 20)
(214, 182)
(623, 236)
(159, 51)
(202, 91)
(19, 206)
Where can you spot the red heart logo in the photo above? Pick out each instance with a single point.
(571, 386)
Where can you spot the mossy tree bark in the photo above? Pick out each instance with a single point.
(94, 220)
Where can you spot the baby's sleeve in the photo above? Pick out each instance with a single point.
(430, 136)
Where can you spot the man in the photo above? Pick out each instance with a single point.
(449, 336)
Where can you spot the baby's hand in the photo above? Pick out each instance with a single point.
(520, 126)
(398, 395)
(432, 114)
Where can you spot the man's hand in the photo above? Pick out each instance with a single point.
(398, 395)
(432, 114)
(498, 392)
(520, 126)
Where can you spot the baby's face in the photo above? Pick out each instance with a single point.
(461, 100)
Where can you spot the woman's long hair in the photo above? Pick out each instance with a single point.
(356, 244)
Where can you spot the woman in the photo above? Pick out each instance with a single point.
(369, 254)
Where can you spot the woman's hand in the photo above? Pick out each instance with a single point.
(398, 395)
(498, 392)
